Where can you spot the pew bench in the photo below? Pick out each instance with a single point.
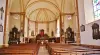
(65, 49)
(23, 49)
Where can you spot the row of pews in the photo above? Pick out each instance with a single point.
(72, 49)
(20, 49)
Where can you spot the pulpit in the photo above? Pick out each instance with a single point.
(41, 37)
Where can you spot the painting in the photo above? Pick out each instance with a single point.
(95, 31)
(1, 28)
(82, 28)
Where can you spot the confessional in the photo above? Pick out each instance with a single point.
(14, 36)
(69, 35)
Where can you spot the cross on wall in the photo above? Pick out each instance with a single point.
(2, 11)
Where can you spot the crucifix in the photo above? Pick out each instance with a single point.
(2, 11)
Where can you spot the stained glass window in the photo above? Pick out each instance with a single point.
(96, 6)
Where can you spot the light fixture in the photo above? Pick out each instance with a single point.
(69, 17)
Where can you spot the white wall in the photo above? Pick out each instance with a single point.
(14, 22)
(88, 8)
(2, 4)
(52, 27)
(68, 6)
(42, 26)
(31, 28)
(86, 11)
(68, 22)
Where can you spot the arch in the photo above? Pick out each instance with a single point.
(33, 11)
(38, 14)
(40, 9)
(42, 1)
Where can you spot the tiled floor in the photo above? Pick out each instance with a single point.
(43, 51)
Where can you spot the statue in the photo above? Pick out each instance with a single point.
(21, 33)
(52, 33)
(32, 33)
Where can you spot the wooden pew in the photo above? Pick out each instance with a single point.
(22, 49)
(63, 49)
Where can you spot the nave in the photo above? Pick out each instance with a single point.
(24, 24)
(50, 49)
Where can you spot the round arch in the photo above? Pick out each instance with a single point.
(42, 1)
(40, 9)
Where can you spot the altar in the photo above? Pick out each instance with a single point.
(42, 37)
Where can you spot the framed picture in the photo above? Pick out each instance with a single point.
(1, 28)
(95, 31)
(82, 28)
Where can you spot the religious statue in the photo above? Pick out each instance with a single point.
(32, 33)
(21, 33)
(1, 28)
(52, 33)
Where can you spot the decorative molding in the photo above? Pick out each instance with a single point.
(20, 13)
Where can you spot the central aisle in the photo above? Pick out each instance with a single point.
(43, 51)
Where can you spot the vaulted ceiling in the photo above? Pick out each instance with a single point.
(42, 10)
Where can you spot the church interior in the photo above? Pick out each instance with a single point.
(49, 27)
